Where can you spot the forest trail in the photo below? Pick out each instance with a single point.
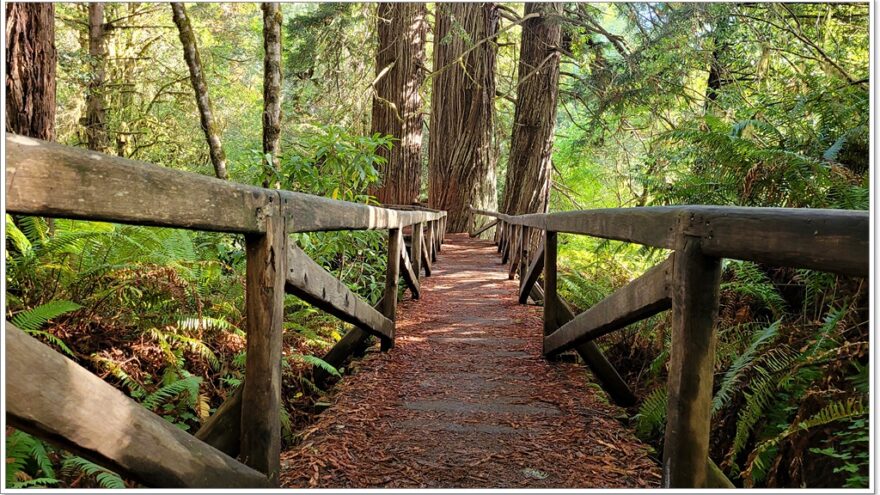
(465, 399)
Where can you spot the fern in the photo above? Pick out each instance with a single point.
(31, 321)
(189, 384)
(22, 449)
(105, 478)
(836, 411)
(316, 361)
(734, 373)
(651, 417)
(34, 319)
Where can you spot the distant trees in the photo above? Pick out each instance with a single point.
(200, 86)
(271, 89)
(461, 158)
(527, 185)
(397, 105)
(96, 112)
(30, 69)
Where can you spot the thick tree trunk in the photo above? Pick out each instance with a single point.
(461, 160)
(397, 105)
(527, 185)
(30, 69)
(200, 86)
(96, 113)
(271, 88)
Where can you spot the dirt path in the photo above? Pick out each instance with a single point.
(466, 400)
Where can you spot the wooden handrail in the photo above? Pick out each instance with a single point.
(52, 397)
(835, 241)
(52, 180)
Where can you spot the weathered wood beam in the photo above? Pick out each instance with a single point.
(516, 253)
(551, 300)
(696, 279)
(484, 228)
(313, 284)
(835, 241)
(410, 276)
(426, 258)
(524, 253)
(223, 429)
(639, 299)
(53, 180)
(53, 398)
(430, 245)
(416, 243)
(352, 343)
(509, 241)
(264, 306)
(392, 276)
(609, 379)
(532, 275)
(308, 213)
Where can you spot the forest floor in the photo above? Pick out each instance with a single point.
(465, 399)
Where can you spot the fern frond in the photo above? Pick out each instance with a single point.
(836, 411)
(316, 361)
(734, 373)
(34, 319)
(190, 384)
(651, 417)
(106, 478)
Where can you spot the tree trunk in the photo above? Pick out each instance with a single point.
(271, 90)
(527, 185)
(197, 78)
(30, 69)
(461, 160)
(96, 113)
(397, 105)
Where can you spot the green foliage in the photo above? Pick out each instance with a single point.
(651, 418)
(106, 478)
(31, 321)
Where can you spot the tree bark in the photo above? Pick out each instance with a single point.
(461, 159)
(200, 86)
(96, 113)
(271, 89)
(30, 69)
(397, 105)
(527, 185)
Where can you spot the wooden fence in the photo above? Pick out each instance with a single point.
(835, 241)
(53, 398)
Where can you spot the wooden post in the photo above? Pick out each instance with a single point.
(392, 275)
(429, 242)
(416, 248)
(509, 243)
(524, 254)
(264, 300)
(441, 229)
(435, 236)
(551, 301)
(695, 287)
(516, 252)
(501, 229)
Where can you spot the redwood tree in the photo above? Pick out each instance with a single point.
(461, 159)
(527, 185)
(96, 112)
(200, 86)
(271, 87)
(397, 105)
(30, 69)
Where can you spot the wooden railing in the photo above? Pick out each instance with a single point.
(835, 241)
(53, 398)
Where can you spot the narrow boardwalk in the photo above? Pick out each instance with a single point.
(466, 400)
